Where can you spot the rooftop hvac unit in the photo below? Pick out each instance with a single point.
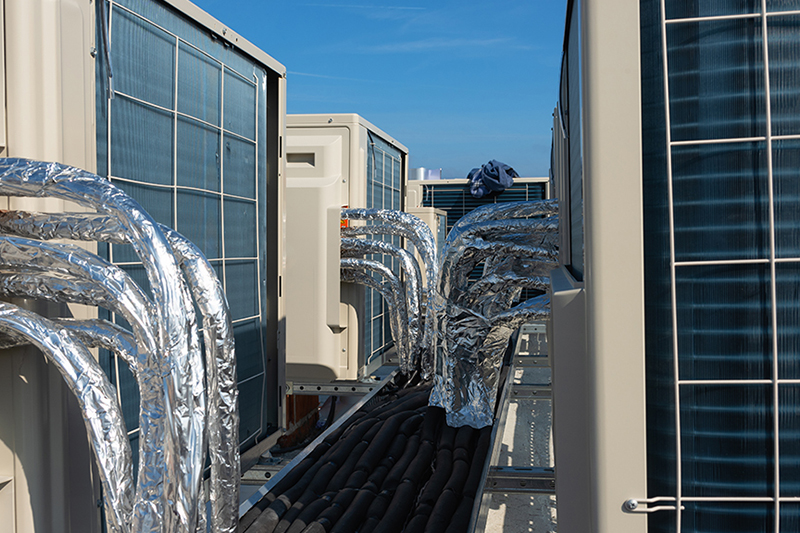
(453, 197)
(189, 125)
(436, 219)
(674, 320)
(335, 330)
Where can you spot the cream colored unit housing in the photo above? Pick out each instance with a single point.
(334, 330)
(436, 219)
(597, 330)
(189, 125)
(47, 85)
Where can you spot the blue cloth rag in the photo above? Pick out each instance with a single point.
(494, 176)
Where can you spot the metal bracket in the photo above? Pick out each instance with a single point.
(527, 480)
(530, 361)
(338, 388)
(531, 347)
(540, 391)
(635, 505)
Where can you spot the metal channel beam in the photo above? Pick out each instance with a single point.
(523, 480)
(481, 507)
(538, 391)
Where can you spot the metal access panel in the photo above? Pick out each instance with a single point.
(189, 125)
(334, 330)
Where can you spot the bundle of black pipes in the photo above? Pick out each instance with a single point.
(394, 466)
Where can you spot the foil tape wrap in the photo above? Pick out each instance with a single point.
(223, 422)
(98, 403)
(418, 232)
(172, 417)
(411, 285)
(390, 287)
(223, 418)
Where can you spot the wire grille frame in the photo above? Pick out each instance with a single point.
(384, 191)
(730, 276)
(188, 142)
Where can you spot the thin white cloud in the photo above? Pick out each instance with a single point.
(439, 43)
(323, 76)
(355, 6)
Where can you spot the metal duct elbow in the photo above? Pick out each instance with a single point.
(219, 343)
(388, 222)
(173, 413)
(352, 269)
(97, 401)
(476, 319)
(411, 284)
(223, 394)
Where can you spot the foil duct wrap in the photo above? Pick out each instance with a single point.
(412, 228)
(66, 273)
(98, 403)
(223, 420)
(533, 310)
(495, 239)
(496, 293)
(99, 333)
(172, 417)
(396, 303)
(413, 289)
(416, 230)
(76, 226)
(476, 346)
(509, 210)
(475, 320)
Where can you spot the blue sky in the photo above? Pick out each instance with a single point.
(457, 82)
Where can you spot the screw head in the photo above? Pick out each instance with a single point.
(631, 505)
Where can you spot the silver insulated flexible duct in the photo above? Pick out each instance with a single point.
(358, 271)
(162, 348)
(388, 222)
(474, 320)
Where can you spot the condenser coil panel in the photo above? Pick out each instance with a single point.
(722, 343)
(188, 125)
